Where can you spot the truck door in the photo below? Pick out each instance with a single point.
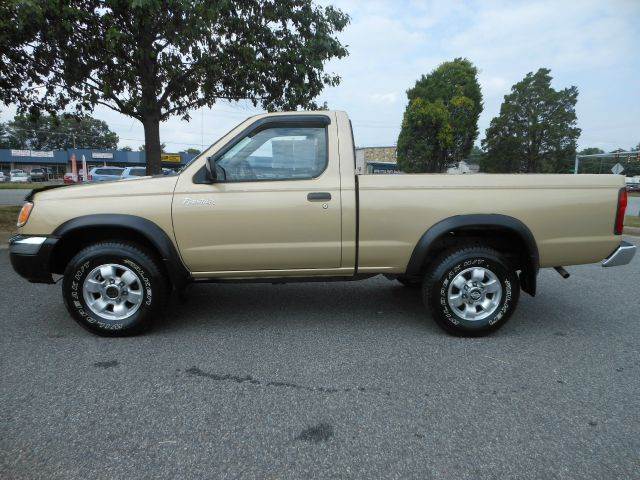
(274, 206)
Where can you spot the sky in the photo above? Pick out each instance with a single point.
(594, 45)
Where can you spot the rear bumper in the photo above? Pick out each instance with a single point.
(31, 257)
(621, 255)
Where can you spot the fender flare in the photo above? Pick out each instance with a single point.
(427, 242)
(156, 236)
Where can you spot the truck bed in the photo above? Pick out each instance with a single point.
(571, 216)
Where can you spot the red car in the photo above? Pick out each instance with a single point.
(69, 178)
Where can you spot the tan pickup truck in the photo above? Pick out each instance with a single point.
(277, 199)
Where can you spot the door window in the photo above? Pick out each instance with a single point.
(285, 153)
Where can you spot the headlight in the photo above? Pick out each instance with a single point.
(23, 216)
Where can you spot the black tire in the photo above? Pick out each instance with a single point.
(409, 282)
(445, 270)
(151, 288)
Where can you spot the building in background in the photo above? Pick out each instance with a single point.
(376, 160)
(373, 160)
(463, 167)
(59, 161)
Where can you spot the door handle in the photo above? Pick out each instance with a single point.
(319, 196)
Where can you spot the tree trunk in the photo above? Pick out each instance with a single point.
(152, 147)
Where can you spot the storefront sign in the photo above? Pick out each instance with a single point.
(32, 153)
(171, 157)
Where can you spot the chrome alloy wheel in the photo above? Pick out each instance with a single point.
(474, 293)
(113, 292)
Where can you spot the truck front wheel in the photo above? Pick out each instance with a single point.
(113, 288)
(471, 291)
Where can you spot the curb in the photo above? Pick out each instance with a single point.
(635, 231)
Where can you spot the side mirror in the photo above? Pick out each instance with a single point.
(212, 174)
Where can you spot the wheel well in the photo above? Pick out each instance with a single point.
(502, 239)
(71, 243)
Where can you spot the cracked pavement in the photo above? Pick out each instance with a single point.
(325, 380)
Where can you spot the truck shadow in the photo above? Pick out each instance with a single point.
(298, 305)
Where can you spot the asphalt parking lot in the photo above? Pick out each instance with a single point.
(326, 380)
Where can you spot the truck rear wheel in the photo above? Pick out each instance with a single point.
(113, 288)
(471, 291)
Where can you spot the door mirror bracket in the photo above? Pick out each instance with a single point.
(212, 174)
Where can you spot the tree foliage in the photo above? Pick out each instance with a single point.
(425, 137)
(536, 129)
(591, 151)
(151, 59)
(48, 132)
(440, 122)
(4, 140)
(590, 165)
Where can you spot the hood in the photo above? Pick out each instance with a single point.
(160, 185)
(32, 193)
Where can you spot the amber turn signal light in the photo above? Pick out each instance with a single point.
(23, 216)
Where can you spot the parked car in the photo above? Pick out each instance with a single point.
(278, 200)
(69, 179)
(3, 178)
(134, 172)
(168, 171)
(18, 176)
(39, 175)
(105, 174)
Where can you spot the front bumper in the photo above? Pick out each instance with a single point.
(621, 255)
(31, 257)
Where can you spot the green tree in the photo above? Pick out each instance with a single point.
(4, 141)
(501, 158)
(425, 137)
(152, 59)
(590, 165)
(48, 132)
(475, 155)
(126, 148)
(536, 130)
(591, 151)
(193, 151)
(445, 120)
